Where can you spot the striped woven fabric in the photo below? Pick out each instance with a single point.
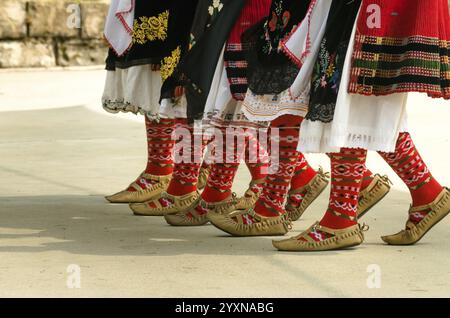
(402, 46)
(234, 56)
(236, 67)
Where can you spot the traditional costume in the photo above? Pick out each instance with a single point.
(272, 76)
(146, 43)
(358, 103)
(217, 25)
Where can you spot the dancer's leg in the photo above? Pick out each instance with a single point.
(154, 180)
(430, 201)
(338, 228)
(306, 186)
(182, 189)
(267, 217)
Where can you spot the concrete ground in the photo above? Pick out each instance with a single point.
(60, 154)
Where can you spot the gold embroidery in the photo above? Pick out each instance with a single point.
(169, 63)
(151, 28)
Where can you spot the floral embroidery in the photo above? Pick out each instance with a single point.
(275, 27)
(215, 8)
(328, 68)
(151, 28)
(169, 63)
(326, 80)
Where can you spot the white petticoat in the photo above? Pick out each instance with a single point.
(221, 109)
(136, 89)
(367, 122)
(173, 108)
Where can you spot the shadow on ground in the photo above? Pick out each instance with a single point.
(90, 225)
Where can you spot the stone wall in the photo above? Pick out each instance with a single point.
(47, 33)
(40, 33)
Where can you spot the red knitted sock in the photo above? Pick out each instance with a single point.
(257, 161)
(302, 176)
(367, 178)
(273, 196)
(347, 171)
(160, 146)
(187, 167)
(220, 181)
(160, 150)
(410, 167)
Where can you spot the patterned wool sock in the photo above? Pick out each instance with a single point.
(410, 167)
(347, 170)
(220, 182)
(275, 189)
(257, 161)
(187, 168)
(160, 150)
(303, 175)
(367, 179)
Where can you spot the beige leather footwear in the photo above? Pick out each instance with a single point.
(141, 195)
(374, 193)
(203, 177)
(248, 223)
(155, 208)
(250, 197)
(197, 214)
(310, 192)
(413, 233)
(338, 239)
(192, 216)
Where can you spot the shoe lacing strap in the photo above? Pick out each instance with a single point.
(322, 173)
(364, 227)
(385, 179)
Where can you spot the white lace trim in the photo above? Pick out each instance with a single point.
(269, 107)
(136, 89)
(122, 106)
